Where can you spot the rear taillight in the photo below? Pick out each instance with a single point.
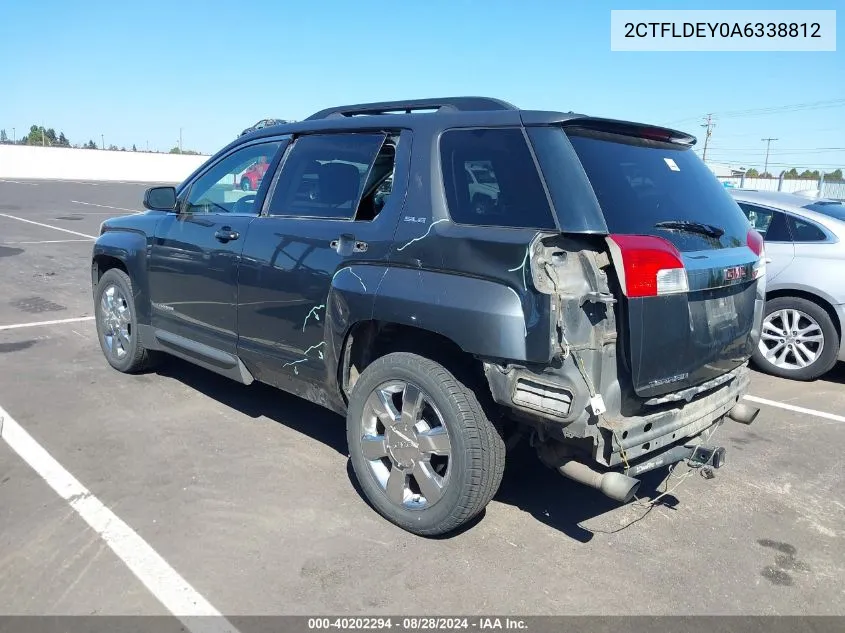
(755, 242)
(650, 266)
(757, 245)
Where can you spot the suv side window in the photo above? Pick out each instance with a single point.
(228, 187)
(770, 224)
(490, 179)
(335, 176)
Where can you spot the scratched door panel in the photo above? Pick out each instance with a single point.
(300, 277)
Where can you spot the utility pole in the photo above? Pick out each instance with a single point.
(180, 140)
(102, 142)
(709, 125)
(14, 137)
(768, 143)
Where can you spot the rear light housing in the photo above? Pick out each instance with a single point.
(755, 242)
(648, 266)
(757, 245)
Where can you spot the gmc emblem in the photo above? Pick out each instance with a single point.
(735, 272)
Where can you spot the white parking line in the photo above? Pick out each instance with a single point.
(16, 326)
(48, 226)
(164, 582)
(105, 206)
(109, 213)
(792, 407)
(19, 182)
(86, 240)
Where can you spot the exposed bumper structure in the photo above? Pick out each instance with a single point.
(637, 436)
(622, 486)
(628, 447)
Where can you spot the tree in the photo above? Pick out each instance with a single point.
(834, 175)
(63, 142)
(34, 137)
(112, 148)
(752, 173)
(792, 173)
(3, 137)
(134, 149)
(766, 174)
(90, 145)
(189, 152)
(39, 135)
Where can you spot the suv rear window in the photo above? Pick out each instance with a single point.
(640, 183)
(491, 180)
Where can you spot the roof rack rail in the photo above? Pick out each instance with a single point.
(459, 104)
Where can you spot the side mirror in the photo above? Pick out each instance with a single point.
(160, 199)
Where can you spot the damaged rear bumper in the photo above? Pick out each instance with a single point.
(627, 439)
(609, 452)
(618, 479)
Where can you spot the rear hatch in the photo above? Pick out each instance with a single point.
(686, 259)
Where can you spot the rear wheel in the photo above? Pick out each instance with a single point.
(117, 323)
(422, 449)
(798, 340)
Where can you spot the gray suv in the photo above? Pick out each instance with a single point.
(604, 302)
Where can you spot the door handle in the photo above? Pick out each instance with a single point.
(344, 242)
(226, 234)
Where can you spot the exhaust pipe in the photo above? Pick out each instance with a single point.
(615, 485)
(743, 413)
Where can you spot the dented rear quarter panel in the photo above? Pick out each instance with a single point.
(469, 283)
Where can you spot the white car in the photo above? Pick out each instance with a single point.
(805, 297)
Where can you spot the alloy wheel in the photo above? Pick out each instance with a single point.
(791, 339)
(115, 321)
(406, 444)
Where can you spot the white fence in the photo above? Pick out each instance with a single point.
(64, 163)
(834, 190)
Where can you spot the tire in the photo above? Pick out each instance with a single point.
(455, 487)
(820, 339)
(117, 328)
(246, 185)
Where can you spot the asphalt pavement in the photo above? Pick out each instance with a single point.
(247, 493)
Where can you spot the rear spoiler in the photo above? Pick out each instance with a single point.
(626, 128)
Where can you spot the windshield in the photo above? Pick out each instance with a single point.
(830, 208)
(652, 188)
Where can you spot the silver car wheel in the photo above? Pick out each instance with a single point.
(791, 339)
(406, 444)
(115, 321)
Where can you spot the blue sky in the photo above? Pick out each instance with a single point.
(136, 72)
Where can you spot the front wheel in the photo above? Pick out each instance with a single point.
(798, 340)
(425, 454)
(117, 323)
